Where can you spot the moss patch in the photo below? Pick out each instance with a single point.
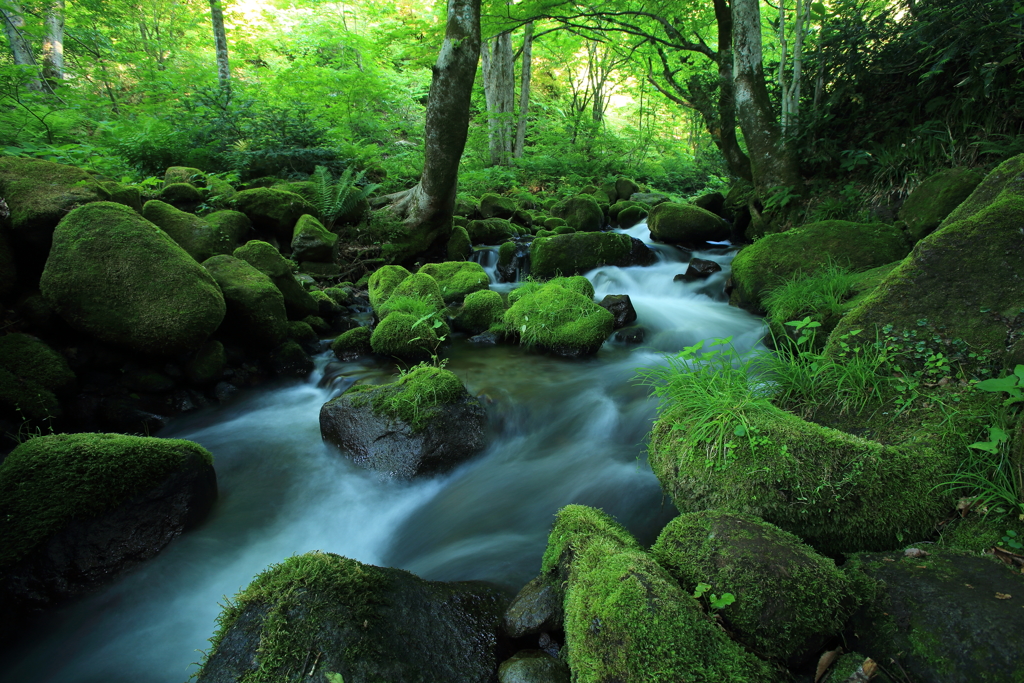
(457, 278)
(559, 320)
(311, 241)
(935, 198)
(193, 234)
(31, 358)
(353, 342)
(255, 307)
(383, 282)
(573, 254)
(460, 247)
(686, 224)
(50, 480)
(264, 257)
(490, 231)
(581, 212)
(480, 311)
(415, 397)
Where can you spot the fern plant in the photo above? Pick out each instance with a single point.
(335, 198)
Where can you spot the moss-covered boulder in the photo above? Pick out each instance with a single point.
(272, 212)
(184, 174)
(424, 422)
(456, 279)
(789, 599)
(311, 241)
(370, 624)
(383, 282)
(78, 509)
(466, 206)
(255, 307)
(410, 336)
(581, 212)
(496, 206)
(419, 286)
(577, 253)
(686, 224)
(32, 376)
(775, 258)
(353, 343)
(838, 492)
(481, 311)
(556, 319)
(233, 226)
(626, 618)
(553, 222)
(118, 277)
(631, 215)
(290, 360)
(181, 194)
(490, 231)
(967, 276)
(460, 247)
(128, 195)
(941, 615)
(219, 191)
(193, 234)
(935, 198)
(268, 260)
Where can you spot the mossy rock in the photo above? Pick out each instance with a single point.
(631, 215)
(219, 191)
(581, 212)
(626, 618)
(407, 336)
(935, 198)
(370, 623)
(273, 212)
(466, 206)
(193, 234)
(118, 277)
(789, 599)
(490, 231)
(31, 358)
(712, 201)
(181, 194)
(327, 307)
(255, 307)
(775, 258)
(264, 257)
(480, 312)
(233, 226)
(686, 224)
(419, 286)
(552, 223)
(625, 187)
(615, 209)
(79, 508)
(460, 248)
(290, 359)
(8, 266)
(22, 399)
(979, 533)
(311, 241)
(579, 252)
(383, 282)
(838, 492)
(302, 332)
(967, 278)
(353, 343)
(123, 194)
(496, 206)
(553, 318)
(941, 616)
(456, 279)
(206, 365)
(184, 174)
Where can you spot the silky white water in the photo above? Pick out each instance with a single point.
(564, 431)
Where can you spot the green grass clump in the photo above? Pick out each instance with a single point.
(50, 480)
(415, 397)
(819, 294)
(456, 279)
(554, 318)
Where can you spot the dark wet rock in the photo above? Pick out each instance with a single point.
(648, 198)
(224, 391)
(368, 624)
(620, 306)
(533, 666)
(698, 269)
(490, 337)
(290, 359)
(537, 608)
(630, 335)
(424, 422)
(946, 617)
(713, 202)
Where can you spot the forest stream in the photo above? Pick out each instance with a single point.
(563, 431)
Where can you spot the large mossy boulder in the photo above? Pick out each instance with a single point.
(424, 422)
(78, 509)
(626, 618)
(935, 198)
(311, 241)
(942, 616)
(233, 226)
(32, 376)
(789, 599)
(687, 225)
(456, 279)
(268, 260)
(967, 277)
(838, 492)
(193, 234)
(581, 212)
(184, 174)
(368, 624)
(255, 307)
(496, 206)
(490, 231)
(480, 311)
(116, 276)
(577, 253)
(775, 258)
(181, 194)
(382, 283)
(554, 318)
(460, 247)
(272, 212)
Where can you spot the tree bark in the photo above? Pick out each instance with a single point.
(221, 40)
(728, 143)
(53, 44)
(772, 162)
(430, 204)
(21, 50)
(524, 91)
(499, 80)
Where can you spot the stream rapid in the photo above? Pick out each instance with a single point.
(563, 431)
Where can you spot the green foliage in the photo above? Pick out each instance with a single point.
(336, 198)
(818, 294)
(714, 602)
(1012, 384)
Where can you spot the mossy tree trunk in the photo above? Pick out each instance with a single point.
(431, 203)
(524, 90)
(221, 40)
(499, 87)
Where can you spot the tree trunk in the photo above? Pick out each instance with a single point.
(53, 44)
(429, 205)
(21, 50)
(499, 86)
(221, 40)
(524, 91)
(772, 162)
(735, 158)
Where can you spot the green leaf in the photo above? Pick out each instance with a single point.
(701, 589)
(334, 677)
(724, 601)
(1007, 384)
(740, 430)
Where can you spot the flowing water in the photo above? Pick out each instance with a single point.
(563, 431)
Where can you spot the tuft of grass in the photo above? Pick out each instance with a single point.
(820, 295)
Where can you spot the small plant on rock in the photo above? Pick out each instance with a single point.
(335, 198)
